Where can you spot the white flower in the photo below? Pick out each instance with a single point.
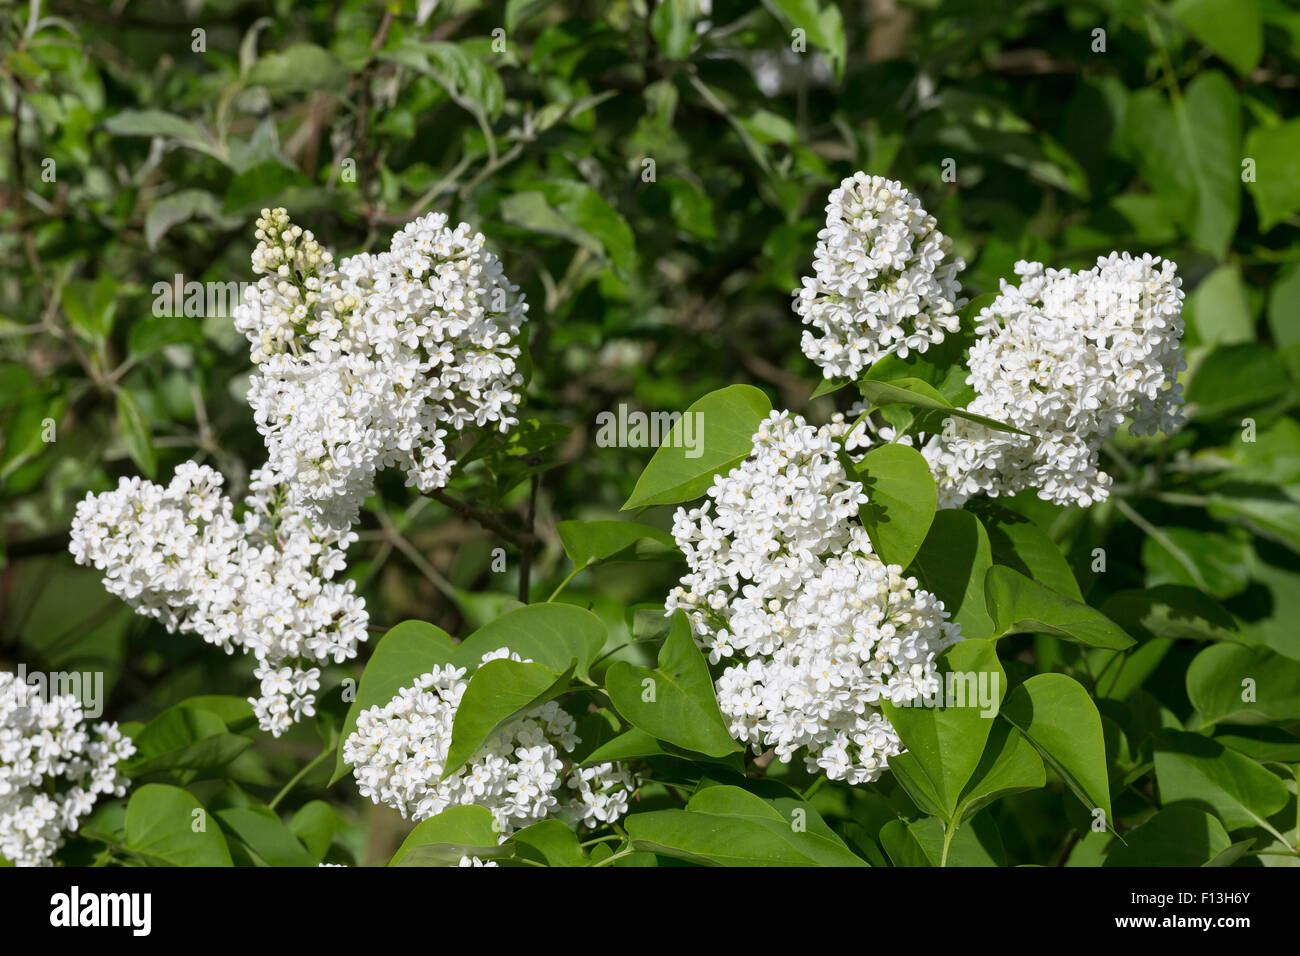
(885, 279)
(52, 770)
(398, 753)
(260, 583)
(815, 629)
(377, 362)
(1067, 357)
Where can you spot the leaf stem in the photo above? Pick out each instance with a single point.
(297, 777)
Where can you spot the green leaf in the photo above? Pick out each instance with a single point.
(945, 743)
(1176, 836)
(1210, 122)
(723, 423)
(637, 744)
(408, 650)
(1234, 377)
(591, 542)
(300, 67)
(914, 392)
(1231, 28)
(1218, 308)
(135, 432)
(499, 692)
(179, 207)
(472, 84)
(1214, 563)
(1244, 685)
(315, 824)
(549, 842)
(170, 828)
(728, 826)
(264, 183)
(1010, 764)
(1170, 611)
(673, 26)
(675, 700)
(1195, 770)
(952, 564)
(443, 839)
(553, 635)
(828, 385)
(586, 209)
(920, 843)
(1021, 605)
(691, 207)
(529, 210)
(1058, 717)
(902, 504)
(259, 829)
(154, 123)
(184, 738)
(1020, 543)
(91, 306)
(1276, 188)
(1269, 512)
(154, 332)
(821, 23)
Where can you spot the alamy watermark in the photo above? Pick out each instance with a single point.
(637, 429)
(963, 689)
(197, 300)
(87, 687)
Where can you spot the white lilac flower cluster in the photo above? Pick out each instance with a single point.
(262, 583)
(1066, 357)
(399, 751)
(885, 279)
(52, 769)
(377, 361)
(815, 629)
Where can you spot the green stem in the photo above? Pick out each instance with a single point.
(948, 832)
(610, 859)
(565, 582)
(297, 777)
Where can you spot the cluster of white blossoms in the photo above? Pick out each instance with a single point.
(379, 361)
(816, 630)
(399, 751)
(885, 279)
(1067, 357)
(261, 583)
(52, 769)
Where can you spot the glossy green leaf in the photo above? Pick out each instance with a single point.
(673, 701)
(1058, 717)
(952, 564)
(945, 743)
(499, 692)
(1176, 836)
(1233, 684)
(727, 826)
(259, 829)
(591, 542)
(1200, 772)
(1021, 605)
(443, 839)
(902, 501)
(554, 635)
(723, 424)
(168, 827)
